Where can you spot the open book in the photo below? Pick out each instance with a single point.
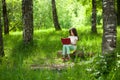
(65, 41)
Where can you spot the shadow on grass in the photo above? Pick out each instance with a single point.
(21, 51)
(40, 47)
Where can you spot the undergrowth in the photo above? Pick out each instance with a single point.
(16, 64)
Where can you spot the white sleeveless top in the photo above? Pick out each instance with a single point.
(73, 39)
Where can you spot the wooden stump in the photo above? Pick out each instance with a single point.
(77, 54)
(59, 54)
(73, 55)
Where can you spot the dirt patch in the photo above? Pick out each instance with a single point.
(53, 66)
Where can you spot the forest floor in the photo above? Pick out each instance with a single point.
(37, 58)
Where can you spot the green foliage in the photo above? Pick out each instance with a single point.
(106, 64)
(70, 13)
(0, 7)
(16, 64)
(14, 14)
(42, 14)
(18, 57)
(99, 4)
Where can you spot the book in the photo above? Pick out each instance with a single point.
(65, 41)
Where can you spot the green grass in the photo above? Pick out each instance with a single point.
(18, 57)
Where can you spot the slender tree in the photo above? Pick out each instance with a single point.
(55, 17)
(5, 17)
(118, 12)
(109, 26)
(1, 38)
(94, 29)
(27, 16)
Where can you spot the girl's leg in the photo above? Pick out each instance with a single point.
(64, 50)
(69, 48)
(68, 51)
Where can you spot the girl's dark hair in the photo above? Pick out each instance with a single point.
(74, 31)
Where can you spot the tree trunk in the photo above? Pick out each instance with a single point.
(1, 39)
(109, 27)
(5, 17)
(94, 29)
(118, 12)
(27, 16)
(55, 17)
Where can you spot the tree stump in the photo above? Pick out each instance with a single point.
(59, 54)
(77, 53)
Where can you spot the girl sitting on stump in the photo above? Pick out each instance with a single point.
(67, 48)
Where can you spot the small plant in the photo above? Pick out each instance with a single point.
(104, 65)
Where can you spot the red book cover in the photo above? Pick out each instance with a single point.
(65, 41)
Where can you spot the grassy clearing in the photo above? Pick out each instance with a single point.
(18, 57)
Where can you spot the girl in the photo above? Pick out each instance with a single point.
(67, 48)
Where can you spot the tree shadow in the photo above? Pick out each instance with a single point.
(21, 52)
(42, 47)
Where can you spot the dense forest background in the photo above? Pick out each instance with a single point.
(70, 13)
